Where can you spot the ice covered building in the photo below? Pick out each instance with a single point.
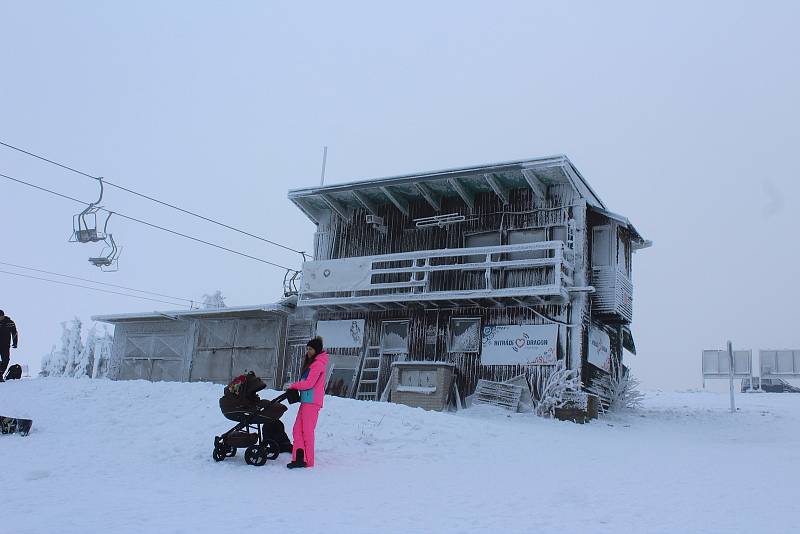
(499, 269)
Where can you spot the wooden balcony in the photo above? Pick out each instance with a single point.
(529, 273)
(613, 296)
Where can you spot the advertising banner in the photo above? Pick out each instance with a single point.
(526, 344)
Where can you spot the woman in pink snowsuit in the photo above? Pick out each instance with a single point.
(312, 392)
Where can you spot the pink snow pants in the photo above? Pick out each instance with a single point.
(303, 431)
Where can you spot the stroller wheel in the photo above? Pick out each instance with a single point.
(231, 452)
(255, 455)
(271, 449)
(219, 454)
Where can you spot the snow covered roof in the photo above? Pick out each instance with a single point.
(239, 311)
(431, 186)
(639, 241)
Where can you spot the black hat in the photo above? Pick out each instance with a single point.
(315, 344)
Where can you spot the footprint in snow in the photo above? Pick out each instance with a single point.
(38, 474)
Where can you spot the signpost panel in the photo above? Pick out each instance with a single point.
(780, 363)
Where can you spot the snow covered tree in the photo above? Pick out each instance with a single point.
(552, 387)
(48, 361)
(102, 354)
(625, 394)
(214, 300)
(71, 346)
(62, 362)
(84, 363)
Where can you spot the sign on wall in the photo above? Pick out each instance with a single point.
(350, 274)
(342, 334)
(599, 348)
(526, 344)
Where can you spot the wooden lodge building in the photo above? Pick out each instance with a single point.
(499, 269)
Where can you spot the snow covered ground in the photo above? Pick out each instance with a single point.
(135, 457)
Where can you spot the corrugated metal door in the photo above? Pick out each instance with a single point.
(212, 359)
(256, 348)
(228, 348)
(155, 357)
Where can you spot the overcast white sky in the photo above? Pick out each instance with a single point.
(683, 116)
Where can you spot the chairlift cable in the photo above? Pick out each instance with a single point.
(87, 287)
(191, 301)
(118, 214)
(167, 204)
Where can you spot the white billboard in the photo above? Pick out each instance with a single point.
(348, 274)
(526, 344)
(599, 348)
(780, 363)
(716, 364)
(347, 334)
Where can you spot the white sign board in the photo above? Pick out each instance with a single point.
(348, 334)
(780, 363)
(526, 344)
(716, 364)
(347, 274)
(599, 349)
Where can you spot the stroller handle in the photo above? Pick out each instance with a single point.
(282, 397)
(292, 395)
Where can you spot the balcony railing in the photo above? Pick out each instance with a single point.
(537, 271)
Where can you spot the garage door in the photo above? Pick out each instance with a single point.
(155, 357)
(229, 347)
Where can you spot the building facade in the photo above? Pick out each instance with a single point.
(502, 270)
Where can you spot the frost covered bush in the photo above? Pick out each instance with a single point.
(552, 388)
(625, 394)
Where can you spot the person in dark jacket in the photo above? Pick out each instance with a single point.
(8, 339)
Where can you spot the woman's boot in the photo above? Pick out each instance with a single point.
(299, 460)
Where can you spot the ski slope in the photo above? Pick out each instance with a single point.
(135, 457)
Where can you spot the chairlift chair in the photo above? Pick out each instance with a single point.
(290, 282)
(84, 224)
(108, 260)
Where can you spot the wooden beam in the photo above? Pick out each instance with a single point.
(498, 188)
(462, 191)
(336, 206)
(366, 202)
(539, 189)
(429, 195)
(399, 202)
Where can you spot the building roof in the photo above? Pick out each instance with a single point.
(258, 310)
(638, 241)
(431, 186)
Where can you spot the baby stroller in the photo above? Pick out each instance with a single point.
(259, 430)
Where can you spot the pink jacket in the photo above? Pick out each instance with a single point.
(315, 380)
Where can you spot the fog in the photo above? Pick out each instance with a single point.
(682, 116)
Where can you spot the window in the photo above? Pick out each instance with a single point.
(623, 263)
(485, 239)
(601, 246)
(558, 233)
(464, 334)
(527, 235)
(420, 379)
(394, 337)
